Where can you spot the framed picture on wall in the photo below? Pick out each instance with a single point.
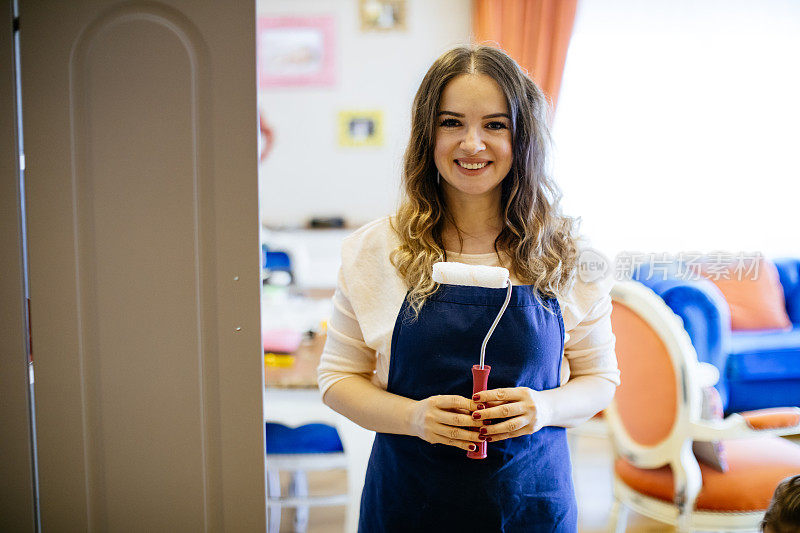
(295, 51)
(360, 128)
(382, 15)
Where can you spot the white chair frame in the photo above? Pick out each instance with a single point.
(293, 408)
(676, 449)
(298, 497)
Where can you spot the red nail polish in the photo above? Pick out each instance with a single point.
(488, 439)
(472, 447)
(476, 416)
(482, 437)
(483, 431)
(476, 397)
(481, 406)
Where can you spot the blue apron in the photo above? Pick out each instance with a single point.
(525, 483)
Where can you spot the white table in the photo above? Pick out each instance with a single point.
(295, 407)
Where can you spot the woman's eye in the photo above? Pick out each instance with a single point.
(449, 123)
(496, 126)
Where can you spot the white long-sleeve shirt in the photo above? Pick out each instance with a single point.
(370, 293)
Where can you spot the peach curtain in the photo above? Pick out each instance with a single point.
(535, 33)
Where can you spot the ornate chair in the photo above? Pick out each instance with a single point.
(655, 417)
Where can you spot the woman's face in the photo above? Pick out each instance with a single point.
(473, 136)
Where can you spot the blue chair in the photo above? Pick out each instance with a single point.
(275, 261)
(299, 450)
(758, 369)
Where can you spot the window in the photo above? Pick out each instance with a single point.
(678, 125)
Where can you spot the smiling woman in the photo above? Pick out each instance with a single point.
(400, 346)
(477, 105)
(473, 138)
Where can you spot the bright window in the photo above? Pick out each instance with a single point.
(678, 125)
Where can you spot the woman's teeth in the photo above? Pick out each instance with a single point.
(473, 166)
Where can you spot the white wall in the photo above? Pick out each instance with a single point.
(677, 127)
(308, 173)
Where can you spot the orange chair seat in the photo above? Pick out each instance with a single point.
(774, 418)
(756, 466)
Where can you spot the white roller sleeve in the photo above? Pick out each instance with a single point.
(453, 273)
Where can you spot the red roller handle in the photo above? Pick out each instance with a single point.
(480, 380)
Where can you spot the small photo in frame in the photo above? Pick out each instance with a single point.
(360, 128)
(382, 15)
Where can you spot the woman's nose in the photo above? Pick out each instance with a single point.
(472, 142)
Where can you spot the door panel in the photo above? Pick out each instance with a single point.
(140, 123)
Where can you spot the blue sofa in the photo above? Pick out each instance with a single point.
(758, 369)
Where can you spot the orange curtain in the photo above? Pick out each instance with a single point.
(535, 33)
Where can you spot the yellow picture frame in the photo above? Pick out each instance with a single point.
(359, 128)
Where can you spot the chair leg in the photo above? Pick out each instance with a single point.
(274, 491)
(299, 488)
(618, 520)
(684, 523)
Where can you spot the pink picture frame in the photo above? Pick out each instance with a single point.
(295, 51)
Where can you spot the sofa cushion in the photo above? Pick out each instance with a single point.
(755, 297)
(749, 395)
(764, 355)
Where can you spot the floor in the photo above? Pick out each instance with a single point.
(592, 477)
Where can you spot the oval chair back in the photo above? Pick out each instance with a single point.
(647, 400)
(651, 409)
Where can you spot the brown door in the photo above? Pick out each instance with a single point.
(141, 152)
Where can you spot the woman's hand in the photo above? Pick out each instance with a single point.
(446, 419)
(526, 409)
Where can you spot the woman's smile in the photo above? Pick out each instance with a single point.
(471, 168)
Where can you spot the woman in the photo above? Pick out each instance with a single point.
(399, 351)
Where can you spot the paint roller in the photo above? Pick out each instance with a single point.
(451, 273)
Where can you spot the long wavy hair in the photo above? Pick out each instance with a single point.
(539, 242)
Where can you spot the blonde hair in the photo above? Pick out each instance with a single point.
(539, 241)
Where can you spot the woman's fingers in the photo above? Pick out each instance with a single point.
(451, 434)
(447, 420)
(456, 411)
(512, 425)
(499, 395)
(499, 413)
(505, 410)
(457, 419)
(454, 420)
(449, 401)
(462, 404)
(464, 445)
(526, 429)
